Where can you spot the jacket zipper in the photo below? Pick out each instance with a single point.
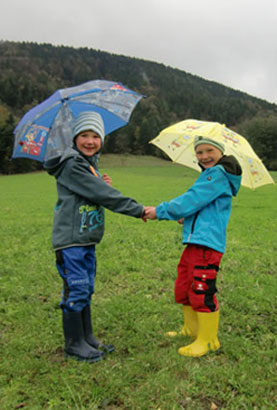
(193, 224)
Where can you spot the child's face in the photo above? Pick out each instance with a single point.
(88, 142)
(207, 155)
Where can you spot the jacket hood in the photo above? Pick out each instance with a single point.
(55, 165)
(233, 171)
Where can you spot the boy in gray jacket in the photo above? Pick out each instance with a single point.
(78, 226)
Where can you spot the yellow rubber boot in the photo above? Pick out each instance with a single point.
(207, 336)
(190, 327)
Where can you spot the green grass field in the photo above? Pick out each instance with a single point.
(133, 305)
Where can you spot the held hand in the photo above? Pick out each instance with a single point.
(181, 221)
(144, 216)
(107, 179)
(150, 212)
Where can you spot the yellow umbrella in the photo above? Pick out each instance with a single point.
(177, 142)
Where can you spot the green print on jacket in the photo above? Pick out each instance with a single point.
(91, 217)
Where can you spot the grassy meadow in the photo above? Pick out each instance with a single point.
(133, 305)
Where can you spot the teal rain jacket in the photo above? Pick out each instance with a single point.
(206, 206)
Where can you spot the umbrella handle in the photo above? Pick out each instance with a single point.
(93, 171)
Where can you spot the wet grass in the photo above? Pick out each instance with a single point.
(133, 305)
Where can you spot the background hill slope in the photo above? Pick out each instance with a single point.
(30, 72)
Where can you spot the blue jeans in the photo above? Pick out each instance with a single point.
(77, 268)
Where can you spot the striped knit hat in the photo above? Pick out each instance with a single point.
(210, 141)
(89, 121)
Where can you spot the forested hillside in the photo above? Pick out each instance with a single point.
(31, 72)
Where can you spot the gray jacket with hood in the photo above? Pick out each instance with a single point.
(82, 197)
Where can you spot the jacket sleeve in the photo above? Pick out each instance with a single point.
(78, 178)
(211, 184)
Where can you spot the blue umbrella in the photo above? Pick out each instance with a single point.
(46, 130)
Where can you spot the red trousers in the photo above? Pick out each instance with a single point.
(196, 280)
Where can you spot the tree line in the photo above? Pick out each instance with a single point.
(31, 72)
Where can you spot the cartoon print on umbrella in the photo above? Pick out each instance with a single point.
(45, 130)
(177, 142)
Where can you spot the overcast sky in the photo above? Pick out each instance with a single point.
(232, 42)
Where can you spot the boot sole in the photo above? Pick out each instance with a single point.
(102, 347)
(84, 359)
(106, 350)
(212, 347)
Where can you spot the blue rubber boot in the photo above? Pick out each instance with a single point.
(88, 332)
(75, 345)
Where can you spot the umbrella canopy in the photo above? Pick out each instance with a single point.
(46, 130)
(177, 142)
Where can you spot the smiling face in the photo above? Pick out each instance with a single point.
(207, 155)
(88, 142)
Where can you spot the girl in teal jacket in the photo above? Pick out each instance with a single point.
(204, 211)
